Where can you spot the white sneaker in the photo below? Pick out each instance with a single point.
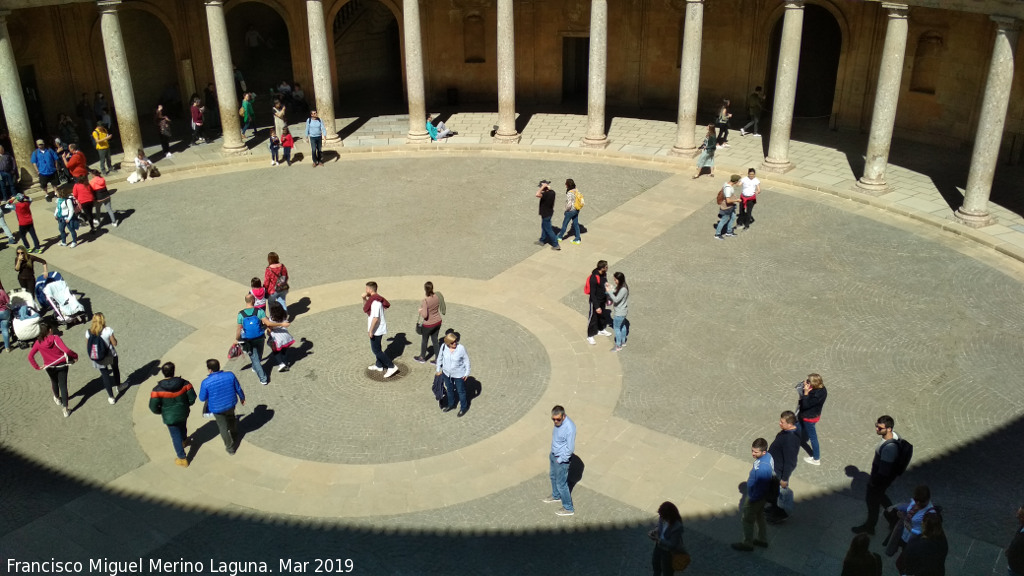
(743, 132)
(56, 400)
(374, 367)
(812, 461)
(73, 244)
(111, 401)
(66, 413)
(391, 372)
(62, 244)
(115, 224)
(590, 339)
(604, 333)
(272, 163)
(281, 367)
(169, 155)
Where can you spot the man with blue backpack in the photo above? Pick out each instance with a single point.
(250, 333)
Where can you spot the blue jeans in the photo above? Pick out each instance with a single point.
(7, 231)
(559, 473)
(574, 217)
(620, 330)
(7, 186)
(382, 359)
(5, 324)
(255, 353)
(280, 298)
(547, 234)
(727, 216)
(807, 432)
(63, 225)
(178, 435)
(316, 146)
(455, 385)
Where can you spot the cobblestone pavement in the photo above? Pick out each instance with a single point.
(900, 316)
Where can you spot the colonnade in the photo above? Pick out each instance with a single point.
(974, 211)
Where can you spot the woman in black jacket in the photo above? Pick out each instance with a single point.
(812, 399)
(668, 539)
(926, 555)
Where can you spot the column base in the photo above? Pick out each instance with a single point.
(599, 142)
(684, 152)
(234, 149)
(777, 166)
(872, 187)
(507, 138)
(417, 138)
(333, 141)
(974, 219)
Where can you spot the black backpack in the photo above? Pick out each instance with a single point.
(904, 456)
(98, 349)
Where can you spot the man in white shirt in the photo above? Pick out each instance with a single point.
(750, 188)
(377, 326)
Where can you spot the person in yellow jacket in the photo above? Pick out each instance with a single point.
(102, 139)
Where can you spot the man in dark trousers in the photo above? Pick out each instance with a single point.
(883, 472)
(598, 318)
(171, 398)
(758, 484)
(785, 450)
(546, 210)
(222, 392)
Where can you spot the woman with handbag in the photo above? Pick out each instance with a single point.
(453, 363)
(57, 359)
(669, 554)
(66, 219)
(428, 325)
(275, 280)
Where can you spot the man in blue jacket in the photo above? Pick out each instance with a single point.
(563, 443)
(315, 135)
(758, 485)
(221, 391)
(45, 160)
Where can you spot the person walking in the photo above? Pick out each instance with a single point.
(172, 398)
(596, 289)
(573, 205)
(163, 127)
(221, 391)
(275, 280)
(883, 473)
(5, 317)
(248, 115)
(758, 483)
(750, 187)
(1015, 551)
(57, 360)
(280, 338)
(755, 107)
(784, 450)
(431, 308)
(67, 220)
(46, 162)
(26, 225)
(727, 202)
(24, 265)
(860, 560)
(315, 135)
(87, 200)
(707, 154)
(98, 184)
(812, 399)
(250, 331)
(722, 123)
(102, 139)
(453, 364)
(668, 539)
(102, 350)
(619, 297)
(546, 210)
(377, 326)
(563, 444)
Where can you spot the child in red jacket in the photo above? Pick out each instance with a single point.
(287, 143)
(23, 208)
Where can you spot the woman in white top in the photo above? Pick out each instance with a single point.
(619, 297)
(750, 188)
(64, 213)
(143, 165)
(101, 350)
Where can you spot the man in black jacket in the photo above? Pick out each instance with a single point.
(883, 472)
(546, 208)
(597, 320)
(785, 450)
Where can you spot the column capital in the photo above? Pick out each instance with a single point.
(216, 3)
(895, 9)
(1005, 22)
(794, 4)
(108, 5)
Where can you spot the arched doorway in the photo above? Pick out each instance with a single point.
(820, 49)
(260, 47)
(368, 57)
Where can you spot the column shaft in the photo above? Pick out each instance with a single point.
(15, 111)
(506, 132)
(121, 92)
(414, 74)
(887, 96)
(224, 77)
(974, 211)
(321, 61)
(598, 68)
(785, 88)
(689, 80)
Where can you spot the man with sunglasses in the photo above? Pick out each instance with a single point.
(883, 472)
(563, 443)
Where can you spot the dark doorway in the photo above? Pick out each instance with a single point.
(820, 47)
(575, 67)
(261, 49)
(368, 55)
(32, 103)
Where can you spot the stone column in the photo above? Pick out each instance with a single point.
(785, 89)
(121, 92)
(974, 211)
(887, 96)
(689, 80)
(506, 132)
(322, 86)
(15, 111)
(224, 78)
(596, 137)
(414, 74)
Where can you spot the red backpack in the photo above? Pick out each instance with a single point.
(586, 285)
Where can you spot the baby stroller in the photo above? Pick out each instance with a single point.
(52, 290)
(26, 319)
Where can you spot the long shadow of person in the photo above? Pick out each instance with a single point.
(576, 467)
(397, 345)
(298, 308)
(254, 420)
(85, 393)
(299, 353)
(473, 389)
(142, 373)
(858, 480)
(208, 431)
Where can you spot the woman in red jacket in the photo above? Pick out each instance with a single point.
(57, 359)
(275, 280)
(26, 226)
(86, 199)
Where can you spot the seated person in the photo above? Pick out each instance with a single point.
(143, 165)
(439, 131)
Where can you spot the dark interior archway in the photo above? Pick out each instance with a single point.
(368, 56)
(820, 48)
(260, 47)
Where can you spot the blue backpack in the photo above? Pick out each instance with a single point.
(252, 327)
